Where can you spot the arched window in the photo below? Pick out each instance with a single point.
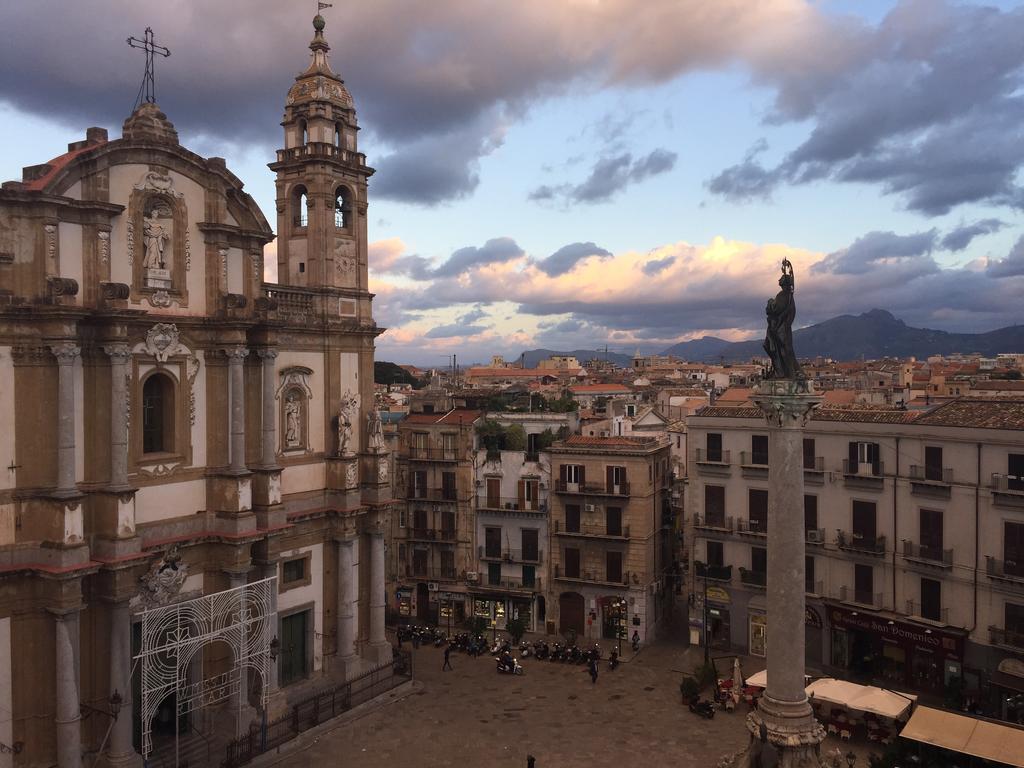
(342, 208)
(300, 206)
(337, 135)
(303, 133)
(158, 414)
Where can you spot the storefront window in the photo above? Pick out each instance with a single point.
(758, 634)
(499, 611)
(405, 603)
(893, 664)
(840, 649)
(482, 608)
(926, 670)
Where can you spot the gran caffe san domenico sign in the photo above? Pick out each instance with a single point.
(905, 634)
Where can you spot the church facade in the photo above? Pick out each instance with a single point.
(193, 480)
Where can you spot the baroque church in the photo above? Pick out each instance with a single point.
(193, 478)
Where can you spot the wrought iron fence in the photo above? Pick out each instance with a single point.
(318, 708)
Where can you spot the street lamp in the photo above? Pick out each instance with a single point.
(115, 701)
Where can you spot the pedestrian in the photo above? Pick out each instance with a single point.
(593, 670)
(447, 661)
(398, 634)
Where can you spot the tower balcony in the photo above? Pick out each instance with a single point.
(319, 150)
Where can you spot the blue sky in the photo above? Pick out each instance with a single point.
(671, 152)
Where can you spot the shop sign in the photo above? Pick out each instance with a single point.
(457, 597)
(717, 594)
(811, 617)
(898, 631)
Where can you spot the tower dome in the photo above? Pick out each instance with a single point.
(319, 82)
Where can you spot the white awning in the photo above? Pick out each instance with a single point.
(881, 702)
(967, 735)
(833, 691)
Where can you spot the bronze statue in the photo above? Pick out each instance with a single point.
(778, 341)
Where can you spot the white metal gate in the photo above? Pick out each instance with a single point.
(243, 617)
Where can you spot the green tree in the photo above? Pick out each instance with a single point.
(491, 434)
(476, 625)
(516, 628)
(515, 438)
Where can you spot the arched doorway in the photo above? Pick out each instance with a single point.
(570, 613)
(542, 611)
(422, 602)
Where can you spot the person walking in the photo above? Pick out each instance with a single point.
(447, 661)
(593, 670)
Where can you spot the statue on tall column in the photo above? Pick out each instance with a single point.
(778, 341)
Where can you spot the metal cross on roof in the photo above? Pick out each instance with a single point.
(147, 91)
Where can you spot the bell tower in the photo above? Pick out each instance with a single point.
(321, 181)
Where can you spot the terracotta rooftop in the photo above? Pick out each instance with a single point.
(584, 388)
(585, 441)
(511, 372)
(849, 415)
(978, 414)
(458, 416)
(1009, 385)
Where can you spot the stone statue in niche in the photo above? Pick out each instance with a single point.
(157, 232)
(292, 427)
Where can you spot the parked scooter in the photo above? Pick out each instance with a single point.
(613, 660)
(702, 707)
(509, 665)
(525, 649)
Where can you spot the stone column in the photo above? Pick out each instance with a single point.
(784, 717)
(379, 646)
(269, 444)
(240, 702)
(120, 751)
(66, 354)
(67, 718)
(119, 359)
(236, 386)
(346, 618)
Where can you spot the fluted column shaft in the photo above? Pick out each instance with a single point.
(66, 355)
(68, 711)
(377, 588)
(236, 385)
(269, 444)
(346, 616)
(119, 358)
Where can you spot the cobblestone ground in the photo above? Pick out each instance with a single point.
(474, 718)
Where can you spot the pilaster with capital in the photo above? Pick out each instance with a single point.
(66, 354)
(268, 356)
(236, 388)
(120, 356)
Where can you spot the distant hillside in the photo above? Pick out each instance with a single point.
(389, 373)
(534, 356)
(872, 335)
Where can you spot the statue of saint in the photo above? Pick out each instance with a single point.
(778, 341)
(292, 430)
(375, 432)
(346, 407)
(155, 237)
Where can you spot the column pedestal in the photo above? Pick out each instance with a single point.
(784, 723)
(343, 480)
(376, 485)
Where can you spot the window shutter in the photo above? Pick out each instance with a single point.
(563, 472)
(583, 474)
(609, 478)
(522, 494)
(854, 460)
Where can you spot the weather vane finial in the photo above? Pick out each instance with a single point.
(147, 91)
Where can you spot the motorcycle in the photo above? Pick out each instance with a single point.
(702, 707)
(555, 653)
(525, 649)
(613, 660)
(540, 651)
(509, 666)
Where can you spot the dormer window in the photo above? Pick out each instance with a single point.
(342, 207)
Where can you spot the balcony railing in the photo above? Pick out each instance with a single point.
(1007, 484)
(516, 584)
(432, 534)
(814, 587)
(753, 527)
(914, 609)
(753, 578)
(714, 522)
(721, 573)
(432, 494)
(509, 504)
(927, 553)
(755, 460)
(704, 456)
(320, 149)
(428, 573)
(866, 470)
(871, 599)
(415, 453)
(511, 555)
(858, 543)
(814, 463)
(599, 489)
(1006, 637)
(594, 531)
(1011, 570)
(931, 474)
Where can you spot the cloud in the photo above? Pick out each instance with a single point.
(655, 266)
(962, 236)
(1012, 265)
(609, 176)
(867, 251)
(928, 105)
(494, 251)
(388, 257)
(454, 330)
(568, 256)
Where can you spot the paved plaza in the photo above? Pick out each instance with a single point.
(472, 716)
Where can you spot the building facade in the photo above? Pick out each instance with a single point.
(610, 522)
(914, 538)
(191, 470)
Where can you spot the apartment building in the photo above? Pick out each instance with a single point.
(512, 488)
(915, 541)
(611, 563)
(432, 538)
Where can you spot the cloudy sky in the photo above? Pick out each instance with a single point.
(568, 173)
